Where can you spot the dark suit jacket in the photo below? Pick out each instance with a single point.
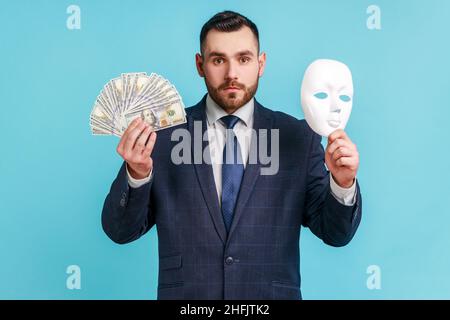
(259, 258)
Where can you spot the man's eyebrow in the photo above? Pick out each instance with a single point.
(240, 53)
(216, 54)
(245, 53)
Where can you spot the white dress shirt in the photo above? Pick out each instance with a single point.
(242, 130)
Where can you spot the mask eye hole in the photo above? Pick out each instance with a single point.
(321, 95)
(345, 98)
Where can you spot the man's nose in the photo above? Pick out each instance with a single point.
(232, 71)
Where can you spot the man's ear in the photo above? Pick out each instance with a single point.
(199, 64)
(262, 63)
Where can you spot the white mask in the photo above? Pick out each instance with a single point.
(327, 95)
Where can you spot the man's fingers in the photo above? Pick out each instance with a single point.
(149, 146)
(142, 140)
(340, 143)
(342, 152)
(131, 127)
(337, 134)
(131, 138)
(134, 124)
(336, 144)
(346, 162)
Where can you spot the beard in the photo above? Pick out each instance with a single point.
(231, 101)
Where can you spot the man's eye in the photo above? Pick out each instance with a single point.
(218, 61)
(245, 59)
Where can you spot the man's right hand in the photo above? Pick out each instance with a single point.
(136, 146)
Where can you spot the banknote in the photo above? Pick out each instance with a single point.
(131, 95)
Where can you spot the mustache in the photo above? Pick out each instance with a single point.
(231, 84)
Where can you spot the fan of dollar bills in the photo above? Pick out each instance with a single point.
(133, 95)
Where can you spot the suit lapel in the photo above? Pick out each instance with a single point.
(252, 171)
(204, 170)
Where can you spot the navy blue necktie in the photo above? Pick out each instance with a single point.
(232, 171)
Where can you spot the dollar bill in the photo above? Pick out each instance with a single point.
(132, 95)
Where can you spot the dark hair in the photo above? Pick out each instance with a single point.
(227, 21)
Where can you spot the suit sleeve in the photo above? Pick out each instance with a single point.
(127, 213)
(327, 218)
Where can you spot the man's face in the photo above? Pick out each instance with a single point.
(231, 67)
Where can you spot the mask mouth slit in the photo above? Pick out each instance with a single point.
(334, 123)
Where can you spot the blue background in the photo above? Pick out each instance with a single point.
(55, 174)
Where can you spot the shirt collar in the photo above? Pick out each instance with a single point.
(214, 112)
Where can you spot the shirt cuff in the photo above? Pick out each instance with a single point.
(346, 196)
(136, 183)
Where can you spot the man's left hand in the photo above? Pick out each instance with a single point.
(342, 158)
